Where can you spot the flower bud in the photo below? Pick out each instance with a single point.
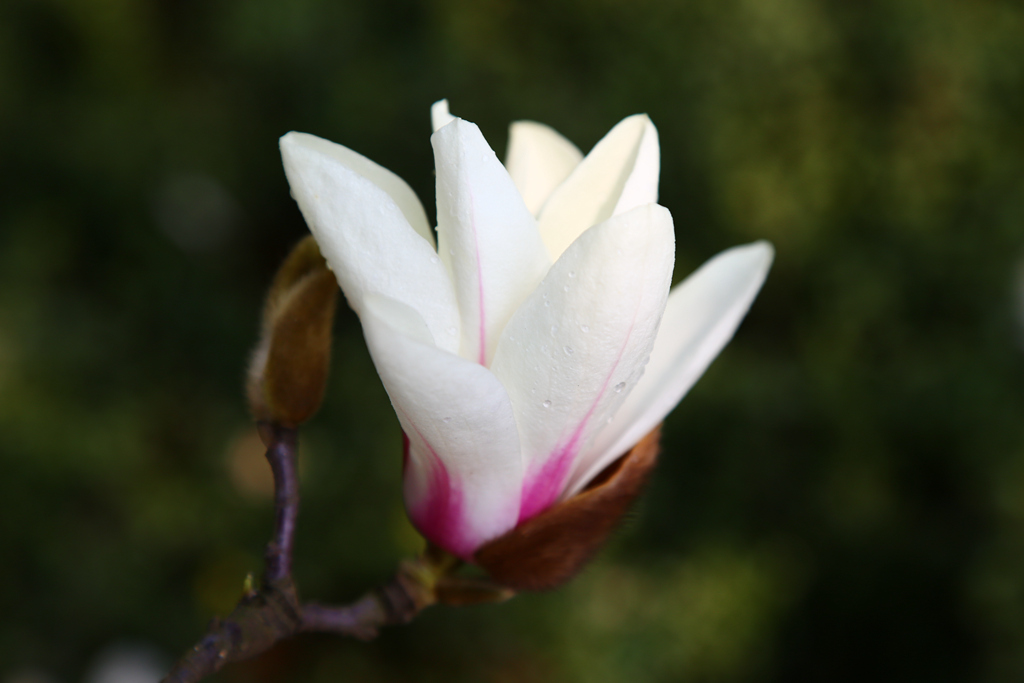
(288, 371)
(551, 548)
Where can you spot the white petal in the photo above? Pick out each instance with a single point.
(359, 214)
(642, 182)
(573, 350)
(486, 236)
(464, 472)
(702, 314)
(539, 159)
(619, 174)
(397, 189)
(439, 115)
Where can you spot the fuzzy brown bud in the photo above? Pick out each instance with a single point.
(288, 371)
(552, 547)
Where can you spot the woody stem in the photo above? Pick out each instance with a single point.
(272, 612)
(282, 454)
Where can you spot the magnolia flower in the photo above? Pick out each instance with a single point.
(538, 341)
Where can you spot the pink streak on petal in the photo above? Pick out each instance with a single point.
(542, 487)
(439, 515)
(405, 452)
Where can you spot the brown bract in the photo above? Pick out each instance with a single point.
(288, 372)
(552, 547)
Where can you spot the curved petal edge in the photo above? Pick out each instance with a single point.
(577, 346)
(364, 234)
(463, 472)
(700, 318)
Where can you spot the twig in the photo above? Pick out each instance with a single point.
(282, 453)
(273, 612)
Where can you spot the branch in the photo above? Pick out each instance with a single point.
(282, 453)
(273, 612)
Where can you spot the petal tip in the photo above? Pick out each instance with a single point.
(766, 247)
(294, 138)
(288, 143)
(641, 119)
(294, 143)
(440, 115)
(761, 253)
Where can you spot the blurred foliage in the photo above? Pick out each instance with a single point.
(841, 498)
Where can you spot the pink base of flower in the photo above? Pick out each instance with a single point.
(439, 515)
(542, 488)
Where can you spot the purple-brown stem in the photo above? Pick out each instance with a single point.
(282, 454)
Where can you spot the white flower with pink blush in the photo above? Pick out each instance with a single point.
(538, 341)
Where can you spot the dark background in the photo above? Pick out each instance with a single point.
(841, 498)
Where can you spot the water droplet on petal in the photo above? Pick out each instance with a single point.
(435, 260)
(446, 420)
(568, 350)
(584, 328)
(546, 404)
(566, 288)
(572, 273)
(554, 330)
(452, 331)
(547, 303)
(620, 386)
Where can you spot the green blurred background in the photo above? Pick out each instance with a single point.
(841, 498)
